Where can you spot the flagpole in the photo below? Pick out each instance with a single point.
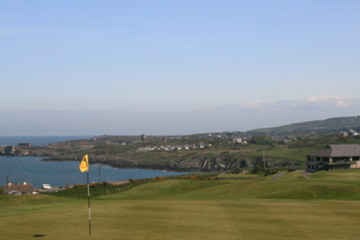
(89, 202)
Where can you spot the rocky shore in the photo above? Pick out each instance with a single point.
(198, 164)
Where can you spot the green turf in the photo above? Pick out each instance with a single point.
(291, 207)
(98, 191)
(239, 176)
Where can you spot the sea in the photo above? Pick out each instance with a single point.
(36, 172)
(37, 140)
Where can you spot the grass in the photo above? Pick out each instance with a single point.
(98, 191)
(239, 176)
(326, 207)
(283, 154)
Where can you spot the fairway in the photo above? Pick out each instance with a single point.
(291, 207)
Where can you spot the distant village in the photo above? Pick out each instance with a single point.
(171, 143)
(199, 145)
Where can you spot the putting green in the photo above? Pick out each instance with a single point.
(291, 207)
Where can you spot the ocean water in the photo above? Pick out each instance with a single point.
(37, 172)
(37, 140)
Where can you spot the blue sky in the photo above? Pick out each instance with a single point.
(175, 67)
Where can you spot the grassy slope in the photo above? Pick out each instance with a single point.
(331, 123)
(291, 207)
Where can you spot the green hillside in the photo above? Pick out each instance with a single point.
(320, 126)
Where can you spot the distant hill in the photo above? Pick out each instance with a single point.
(321, 126)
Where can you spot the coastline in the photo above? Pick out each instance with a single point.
(120, 165)
(38, 171)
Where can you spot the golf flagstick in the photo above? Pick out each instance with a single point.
(84, 167)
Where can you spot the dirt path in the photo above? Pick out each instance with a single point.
(119, 182)
(305, 175)
(277, 176)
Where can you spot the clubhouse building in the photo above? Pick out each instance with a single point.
(334, 156)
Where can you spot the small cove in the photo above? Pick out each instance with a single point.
(37, 172)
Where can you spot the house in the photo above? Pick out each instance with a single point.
(17, 189)
(46, 186)
(341, 156)
(225, 137)
(192, 146)
(344, 134)
(349, 133)
(9, 150)
(201, 145)
(177, 148)
(24, 144)
(237, 140)
(353, 133)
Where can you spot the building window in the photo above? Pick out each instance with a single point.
(355, 158)
(308, 166)
(312, 166)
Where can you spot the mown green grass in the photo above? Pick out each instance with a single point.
(291, 207)
(94, 192)
(240, 176)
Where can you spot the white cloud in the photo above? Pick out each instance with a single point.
(254, 104)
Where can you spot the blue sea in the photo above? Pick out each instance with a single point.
(37, 172)
(37, 140)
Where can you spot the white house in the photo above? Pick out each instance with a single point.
(237, 140)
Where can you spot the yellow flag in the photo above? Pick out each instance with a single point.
(84, 164)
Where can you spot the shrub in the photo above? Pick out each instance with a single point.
(256, 169)
(236, 171)
(105, 184)
(291, 170)
(159, 178)
(271, 171)
(195, 177)
(261, 171)
(261, 140)
(93, 185)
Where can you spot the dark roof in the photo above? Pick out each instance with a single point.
(339, 150)
(28, 188)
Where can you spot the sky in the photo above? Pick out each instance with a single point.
(91, 67)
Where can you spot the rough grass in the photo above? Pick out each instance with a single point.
(283, 154)
(326, 207)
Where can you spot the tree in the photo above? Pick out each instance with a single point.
(261, 140)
